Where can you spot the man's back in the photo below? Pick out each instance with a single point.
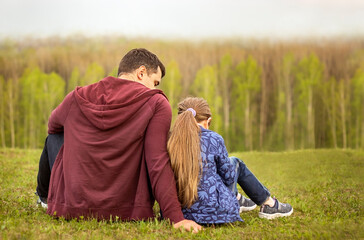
(101, 170)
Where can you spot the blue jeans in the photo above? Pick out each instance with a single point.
(51, 148)
(248, 182)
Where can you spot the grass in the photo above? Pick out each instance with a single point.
(325, 187)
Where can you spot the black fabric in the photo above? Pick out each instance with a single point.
(51, 148)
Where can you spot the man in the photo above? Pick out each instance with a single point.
(114, 160)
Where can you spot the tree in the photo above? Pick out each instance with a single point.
(172, 86)
(283, 128)
(343, 107)
(288, 86)
(2, 111)
(41, 93)
(224, 83)
(206, 86)
(357, 93)
(11, 98)
(93, 74)
(74, 80)
(246, 86)
(30, 85)
(309, 75)
(49, 94)
(114, 71)
(330, 100)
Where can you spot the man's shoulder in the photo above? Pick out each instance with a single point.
(159, 94)
(158, 99)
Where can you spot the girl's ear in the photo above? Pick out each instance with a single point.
(209, 121)
(204, 124)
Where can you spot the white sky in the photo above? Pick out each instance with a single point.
(193, 19)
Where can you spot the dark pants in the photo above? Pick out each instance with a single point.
(256, 191)
(51, 148)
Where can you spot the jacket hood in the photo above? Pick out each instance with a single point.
(112, 101)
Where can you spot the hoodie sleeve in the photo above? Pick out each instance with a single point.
(59, 115)
(159, 168)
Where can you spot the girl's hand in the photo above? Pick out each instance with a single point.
(188, 225)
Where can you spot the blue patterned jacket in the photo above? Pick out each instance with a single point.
(215, 203)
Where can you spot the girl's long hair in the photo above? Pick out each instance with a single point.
(184, 148)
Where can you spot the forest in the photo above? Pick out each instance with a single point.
(264, 95)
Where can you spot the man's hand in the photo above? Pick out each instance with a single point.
(188, 225)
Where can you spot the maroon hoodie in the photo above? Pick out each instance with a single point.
(114, 160)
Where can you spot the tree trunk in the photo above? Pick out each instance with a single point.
(25, 134)
(310, 118)
(248, 137)
(11, 113)
(226, 104)
(2, 113)
(2, 126)
(361, 138)
(362, 131)
(343, 113)
(357, 132)
(2, 129)
(289, 115)
(32, 119)
(224, 69)
(263, 115)
(333, 116)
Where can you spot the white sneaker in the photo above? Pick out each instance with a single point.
(42, 202)
(278, 210)
(245, 204)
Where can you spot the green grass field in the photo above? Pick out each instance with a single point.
(325, 188)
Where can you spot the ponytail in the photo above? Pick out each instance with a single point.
(185, 154)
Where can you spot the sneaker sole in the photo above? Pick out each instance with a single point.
(246, 209)
(275, 215)
(43, 205)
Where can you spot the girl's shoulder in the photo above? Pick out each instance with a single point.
(209, 135)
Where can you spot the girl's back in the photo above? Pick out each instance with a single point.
(215, 203)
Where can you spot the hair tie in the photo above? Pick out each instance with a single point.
(192, 111)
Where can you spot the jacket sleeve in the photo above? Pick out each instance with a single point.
(158, 164)
(59, 115)
(225, 168)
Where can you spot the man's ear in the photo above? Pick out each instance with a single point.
(141, 71)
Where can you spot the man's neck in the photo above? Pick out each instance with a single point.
(129, 77)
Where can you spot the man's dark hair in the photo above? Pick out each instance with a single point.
(138, 57)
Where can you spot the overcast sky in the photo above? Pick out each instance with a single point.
(189, 19)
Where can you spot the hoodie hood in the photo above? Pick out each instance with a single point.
(105, 107)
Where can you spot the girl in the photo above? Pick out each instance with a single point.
(207, 178)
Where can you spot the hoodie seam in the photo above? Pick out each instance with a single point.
(102, 83)
(69, 109)
(157, 102)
